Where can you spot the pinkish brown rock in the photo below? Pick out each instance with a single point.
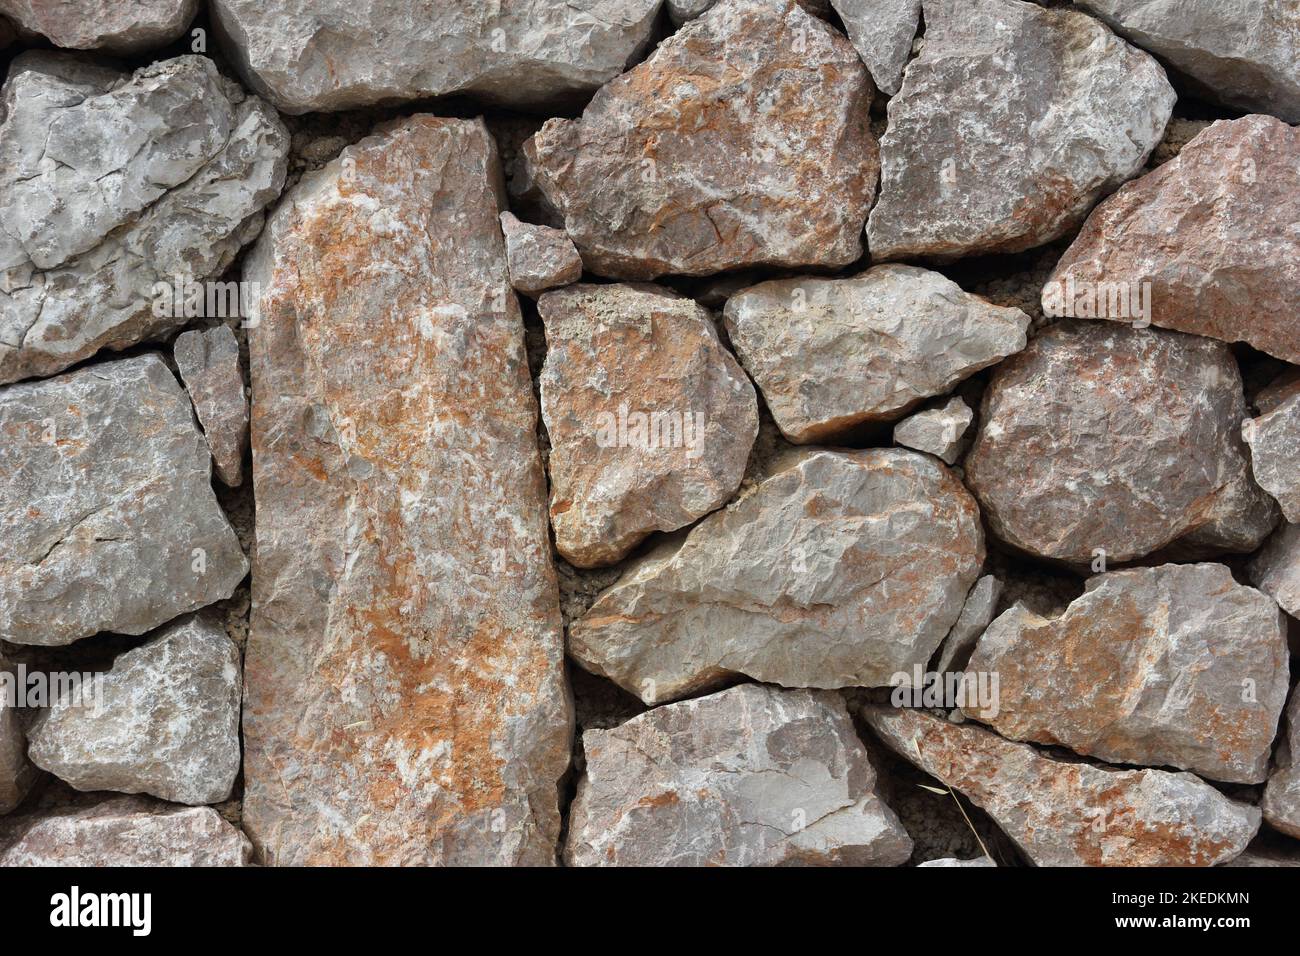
(743, 140)
(1209, 237)
(1173, 666)
(1102, 442)
(114, 26)
(1275, 570)
(650, 418)
(1274, 440)
(1281, 802)
(209, 365)
(539, 257)
(405, 700)
(1073, 814)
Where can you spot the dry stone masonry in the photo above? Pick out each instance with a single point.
(649, 433)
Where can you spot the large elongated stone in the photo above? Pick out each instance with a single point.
(108, 521)
(1010, 124)
(1241, 53)
(1174, 666)
(115, 189)
(1208, 239)
(405, 700)
(310, 55)
(209, 365)
(751, 776)
(840, 569)
(650, 418)
(17, 773)
(744, 140)
(1274, 440)
(123, 831)
(164, 721)
(832, 354)
(116, 26)
(1281, 802)
(1102, 441)
(1074, 814)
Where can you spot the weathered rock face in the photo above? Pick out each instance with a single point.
(111, 25)
(1174, 666)
(976, 614)
(1241, 53)
(751, 776)
(1274, 440)
(979, 861)
(1010, 124)
(17, 774)
(539, 257)
(1276, 569)
(405, 698)
(1074, 814)
(650, 418)
(832, 354)
(164, 721)
(209, 365)
(1098, 437)
(114, 189)
(940, 431)
(882, 32)
(839, 570)
(123, 831)
(1209, 238)
(108, 521)
(310, 55)
(1281, 802)
(679, 11)
(744, 140)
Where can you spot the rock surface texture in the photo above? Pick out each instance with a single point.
(115, 189)
(1274, 440)
(1275, 570)
(1010, 124)
(108, 521)
(743, 140)
(1102, 441)
(1241, 53)
(650, 418)
(1210, 238)
(940, 431)
(405, 700)
(839, 570)
(114, 26)
(882, 33)
(209, 365)
(1074, 814)
(17, 773)
(539, 257)
(164, 721)
(1281, 802)
(751, 776)
(1174, 666)
(312, 55)
(833, 354)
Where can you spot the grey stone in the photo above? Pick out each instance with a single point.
(1241, 53)
(832, 354)
(115, 26)
(108, 521)
(1101, 441)
(751, 776)
(882, 32)
(209, 365)
(680, 11)
(979, 861)
(312, 55)
(1274, 440)
(976, 614)
(539, 257)
(1011, 123)
(123, 831)
(839, 569)
(114, 189)
(941, 430)
(1073, 814)
(1275, 570)
(164, 720)
(17, 774)
(1281, 802)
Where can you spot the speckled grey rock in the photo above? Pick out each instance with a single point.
(539, 257)
(114, 26)
(108, 521)
(123, 831)
(1172, 666)
(1274, 440)
(680, 11)
(209, 365)
(882, 32)
(751, 776)
(1010, 124)
(840, 569)
(1103, 438)
(976, 613)
(743, 140)
(941, 431)
(1275, 570)
(311, 55)
(1073, 814)
(165, 721)
(832, 354)
(1281, 802)
(17, 773)
(1242, 53)
(115, 187)
(980, 861)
